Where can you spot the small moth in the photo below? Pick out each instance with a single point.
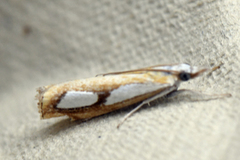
(88, 98)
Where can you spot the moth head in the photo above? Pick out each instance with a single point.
(186, 72)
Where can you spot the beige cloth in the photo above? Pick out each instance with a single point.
(47, 42)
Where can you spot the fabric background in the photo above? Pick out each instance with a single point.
(46, 42)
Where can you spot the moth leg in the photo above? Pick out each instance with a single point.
(186, 94)
(172, 93)
(130, 113)
(147, 101)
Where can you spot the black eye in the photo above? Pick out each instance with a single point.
(184, 76)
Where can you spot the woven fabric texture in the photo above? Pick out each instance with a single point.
(47, 42)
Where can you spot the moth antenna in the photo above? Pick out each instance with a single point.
(215, 68)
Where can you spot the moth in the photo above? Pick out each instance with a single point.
(91, 97)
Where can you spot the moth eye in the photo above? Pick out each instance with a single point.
(184, 76)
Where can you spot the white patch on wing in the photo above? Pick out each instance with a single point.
(132, 90)
(76, 99)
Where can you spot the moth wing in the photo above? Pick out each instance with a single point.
(122, 97)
